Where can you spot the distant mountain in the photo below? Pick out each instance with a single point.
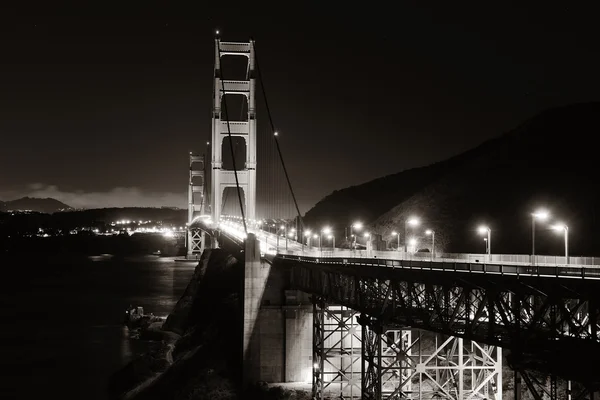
(46, 205)
(550, 160)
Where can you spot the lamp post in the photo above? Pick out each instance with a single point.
(367, 235)
(358, 227)
(277, 234)
(284, 228)
(432, 233)
(485, 230)
(327, 231)
(412, 222)
(413, 243)
(562, 227)
(316, 236)
(541, 215)
(307, 235)
(394, 233)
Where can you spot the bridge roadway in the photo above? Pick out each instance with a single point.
(547, 316)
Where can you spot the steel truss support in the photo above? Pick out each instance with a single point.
(413, 364)
(196, 205)
(548, 322)
(336, 351)
(543, 387)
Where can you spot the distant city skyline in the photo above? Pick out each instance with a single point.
(103, 112)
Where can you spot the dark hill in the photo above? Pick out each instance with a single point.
(45, 205)
(548, 161)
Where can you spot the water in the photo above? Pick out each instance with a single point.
(61, 334)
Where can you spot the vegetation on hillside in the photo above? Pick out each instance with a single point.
(548, 161)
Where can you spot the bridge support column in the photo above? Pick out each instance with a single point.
(254, 286)
(386, 361)
(336, 351)
(195, 243)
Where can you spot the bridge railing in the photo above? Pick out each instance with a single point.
(561, 271)
(278, 244)
(505, 259)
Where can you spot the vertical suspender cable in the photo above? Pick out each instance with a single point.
(262, 85)
(237, 183)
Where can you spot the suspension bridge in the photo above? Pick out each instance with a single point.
(369, 322)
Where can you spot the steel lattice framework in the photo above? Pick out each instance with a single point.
(355, 357)
(545, 323)
(196, 205)
(337, 347)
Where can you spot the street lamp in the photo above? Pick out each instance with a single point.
(432, 233)
(562, 227)
(541, 215)
(285, 234)
(307, 235)
(319, 237)
(413, 244)
(394, 233)
(327, 231)
(358, 226)
(412, 222)
(367, 235)
(485, 230)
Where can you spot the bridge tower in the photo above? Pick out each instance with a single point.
(220, 178)
(196, 205)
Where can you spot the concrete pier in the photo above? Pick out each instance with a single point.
(277, 335)
(255, 278)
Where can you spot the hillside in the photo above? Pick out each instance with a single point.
(45, 205)
(547, 161)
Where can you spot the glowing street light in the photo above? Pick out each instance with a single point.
(562, 227)
(327, 231)
(412, 221)
(413, 244)
(394, 233)
(432, 233)
(541, 215)
(358, 226)
(485, 230)
(332, 241)
(307, 235)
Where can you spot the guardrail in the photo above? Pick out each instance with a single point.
(506, 259)
(556, 271)
(278, 245)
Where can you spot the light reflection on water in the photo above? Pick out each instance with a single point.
(62, 334)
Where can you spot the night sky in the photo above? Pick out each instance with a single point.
(100, 110)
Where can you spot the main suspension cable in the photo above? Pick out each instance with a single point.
(237, 183)
(287, 177)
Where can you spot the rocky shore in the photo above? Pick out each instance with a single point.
(196, 352)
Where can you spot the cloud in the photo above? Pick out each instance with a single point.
(116, 197)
